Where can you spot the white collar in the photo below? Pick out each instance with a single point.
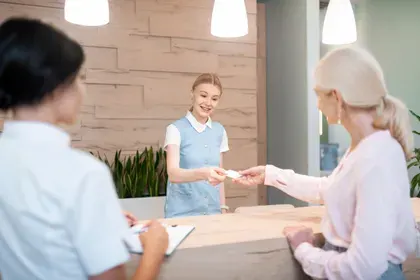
(199, 127)
(34, 131)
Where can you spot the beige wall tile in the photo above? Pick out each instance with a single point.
(191, 62)
(181, 81)
(216, 47)
(250, 4)
(100, 58)
(186, 22)
(140, 68)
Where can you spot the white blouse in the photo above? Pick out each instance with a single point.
(173, 136)
(368, 210)
(59, 212)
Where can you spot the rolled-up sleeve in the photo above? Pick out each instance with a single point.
(96, 224)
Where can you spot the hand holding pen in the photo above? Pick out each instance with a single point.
(154, 239)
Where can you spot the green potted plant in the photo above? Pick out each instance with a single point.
(140, 181)
(415, 164)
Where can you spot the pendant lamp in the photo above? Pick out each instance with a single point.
(229, 19)
(339, 24)
(87, 12)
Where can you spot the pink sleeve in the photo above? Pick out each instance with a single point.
(306, 188)
(373, 231)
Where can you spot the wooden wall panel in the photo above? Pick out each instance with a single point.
(140, 68)
(262, 96)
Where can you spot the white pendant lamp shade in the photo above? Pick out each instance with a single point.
(87, 12)
(339, 24)
(229, 19)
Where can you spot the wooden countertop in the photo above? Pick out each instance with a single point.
(239, 243)
(243, 227)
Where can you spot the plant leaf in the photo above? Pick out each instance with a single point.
(415, 115)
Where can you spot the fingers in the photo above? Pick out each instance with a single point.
(219, 170)
(251, 171)
(246, 181)
(132, 218)
(155, 223)
(288, 231)
(218, 177)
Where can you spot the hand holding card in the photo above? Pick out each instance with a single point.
(233, 174)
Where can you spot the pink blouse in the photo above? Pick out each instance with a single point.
(368, 210)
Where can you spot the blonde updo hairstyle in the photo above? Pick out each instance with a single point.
(358, 77)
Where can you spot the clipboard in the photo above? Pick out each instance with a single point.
(177, 235)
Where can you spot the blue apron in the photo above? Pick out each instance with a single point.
(197, 150)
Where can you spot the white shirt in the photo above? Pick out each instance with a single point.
(368, 210)
(173, 137)
(60, 216)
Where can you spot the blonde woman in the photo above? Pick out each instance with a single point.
(195, 145)
(369, 226)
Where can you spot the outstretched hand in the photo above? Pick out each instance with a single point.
(215, 175)
(251, 177)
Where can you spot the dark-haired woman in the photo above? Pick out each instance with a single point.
(60, 216)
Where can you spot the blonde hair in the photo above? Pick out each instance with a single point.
(207, 78)
(357, 75)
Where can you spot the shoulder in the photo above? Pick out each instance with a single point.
(381, 154)
(181, 123)
(85, 163)
(171, 129)
(382, 146)
(218, 126)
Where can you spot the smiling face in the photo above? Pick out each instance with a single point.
(205, 99)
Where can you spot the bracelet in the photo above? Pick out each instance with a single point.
(224, 207)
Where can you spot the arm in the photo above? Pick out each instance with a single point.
(175, 173)
(306, 188)
(95, 218)
(148, 269)
(222, 186)
(372, 235)
(180, 175)
(224, 147)
(99, 220)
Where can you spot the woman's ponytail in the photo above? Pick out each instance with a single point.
(393, 115)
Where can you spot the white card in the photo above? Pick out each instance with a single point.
(233, 174)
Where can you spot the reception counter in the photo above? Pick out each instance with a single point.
(247, 246)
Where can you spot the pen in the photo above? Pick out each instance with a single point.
(144, 229)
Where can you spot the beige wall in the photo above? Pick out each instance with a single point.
(140, 69)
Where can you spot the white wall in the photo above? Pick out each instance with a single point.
(390, 30)
(292, 115)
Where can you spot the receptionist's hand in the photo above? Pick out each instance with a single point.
(215, 175)
(252, 176)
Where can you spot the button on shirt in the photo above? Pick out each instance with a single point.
(368, 211)
(60, 216)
